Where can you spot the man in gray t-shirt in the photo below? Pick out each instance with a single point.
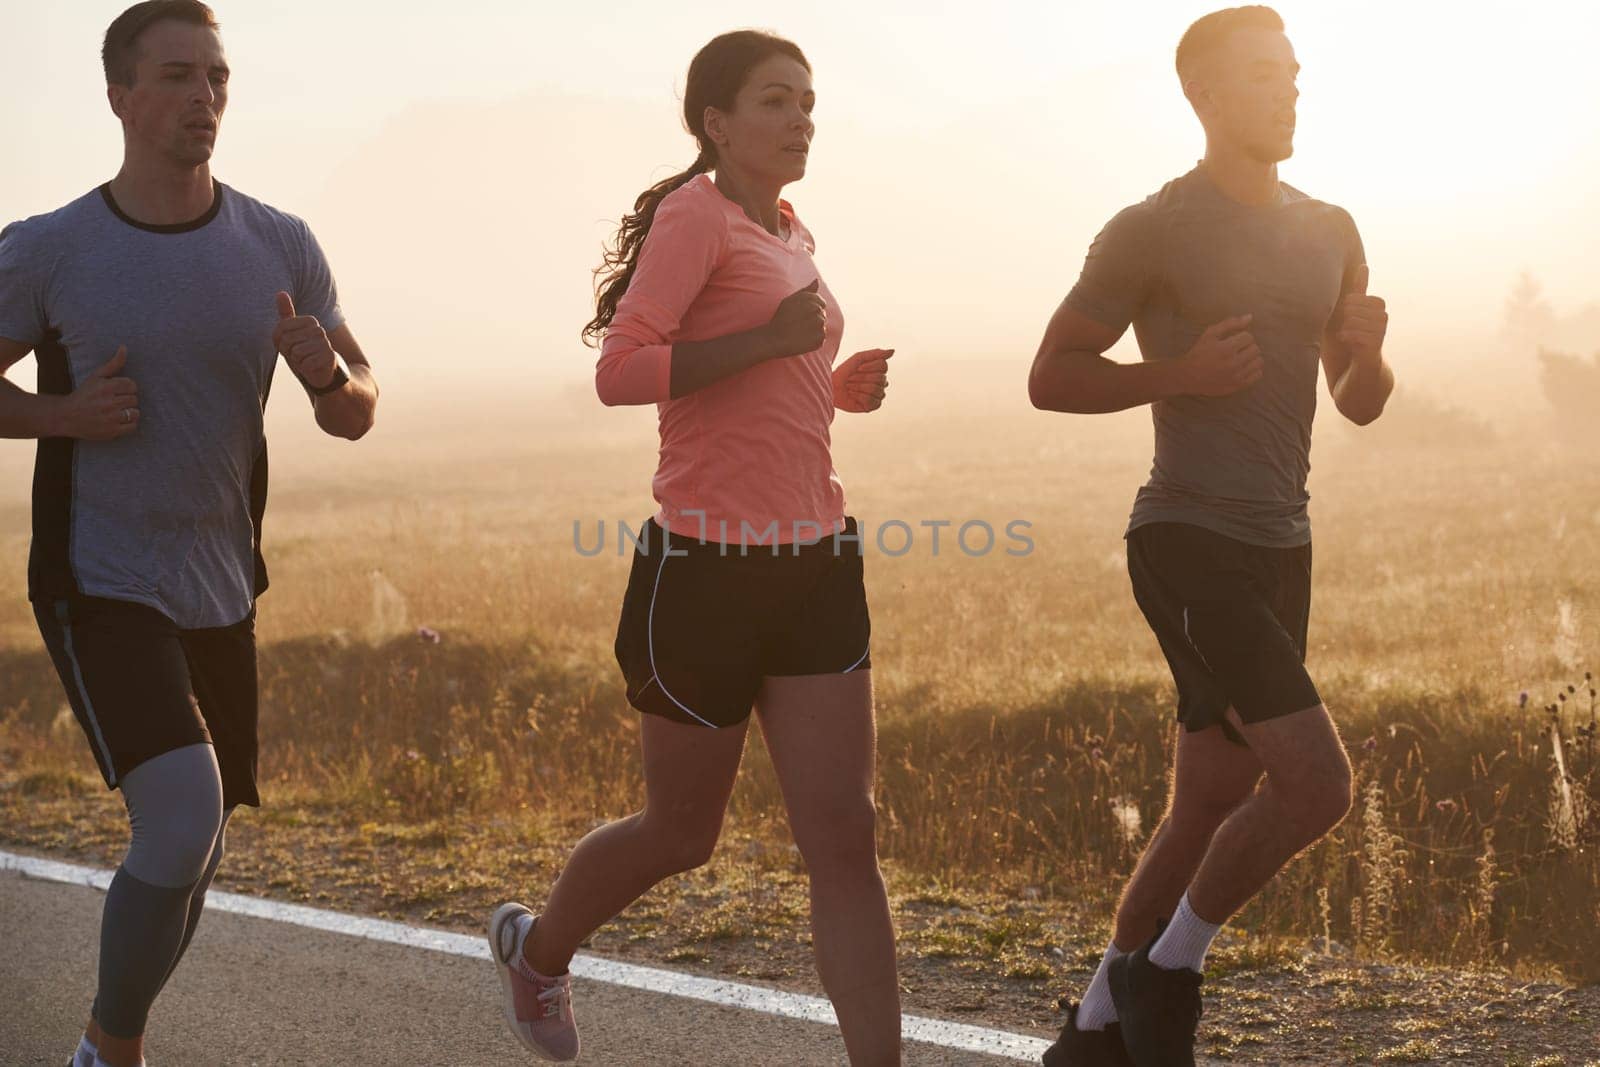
(1240, 290)
(156, 307)
(191, 308)
(1187, 258)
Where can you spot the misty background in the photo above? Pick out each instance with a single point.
(462, 167)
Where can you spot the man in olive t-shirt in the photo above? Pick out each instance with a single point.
(1238, 288)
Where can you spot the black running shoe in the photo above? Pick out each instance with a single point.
(1087, 1048)
(1159, 1010)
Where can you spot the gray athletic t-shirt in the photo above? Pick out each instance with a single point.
(1177, 264)
(170, 515)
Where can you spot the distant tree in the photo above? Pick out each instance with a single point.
(1572, 386)
(1528, 319)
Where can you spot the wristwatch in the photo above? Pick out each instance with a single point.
(333, 386)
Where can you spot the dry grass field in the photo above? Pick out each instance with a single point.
(442, 717)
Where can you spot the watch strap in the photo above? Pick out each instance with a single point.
(340, 378)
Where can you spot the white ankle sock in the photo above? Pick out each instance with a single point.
(84, 1057)
(1183, 945)
(1096, 1011)
(98, 1062)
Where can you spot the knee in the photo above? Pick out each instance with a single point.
(1319, 802)
(695, 850)
(843, 837)
(193, 839)
(175, 813)
(176, 851)
(684, 840)
(1200, 812)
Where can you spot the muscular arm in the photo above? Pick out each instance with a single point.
(1070, 373)
(1352, 350)
(351, 411)
(1358, 380)
(23, 414)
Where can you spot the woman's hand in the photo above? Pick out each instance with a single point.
(800, 324)
(860, 381)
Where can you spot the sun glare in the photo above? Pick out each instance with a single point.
(1461, 108)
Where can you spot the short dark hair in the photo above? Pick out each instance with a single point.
(120, 54)
(1210, 31)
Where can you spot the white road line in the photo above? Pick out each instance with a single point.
(651, 979)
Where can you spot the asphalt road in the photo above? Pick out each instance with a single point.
(255, 991)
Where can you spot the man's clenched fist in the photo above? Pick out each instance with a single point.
(105, 406)
(302, 341)
(1363, 320)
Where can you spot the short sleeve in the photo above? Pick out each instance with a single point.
(315, 291)
(677, 259)
(1115, 279)
(1355, 252)
(23, 317)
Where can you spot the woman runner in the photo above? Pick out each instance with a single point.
(746, 589)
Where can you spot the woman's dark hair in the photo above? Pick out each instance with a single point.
(716, 75)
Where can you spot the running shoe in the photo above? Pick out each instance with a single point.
(538, 1008)
(1159, 1009)
(1087, 1048)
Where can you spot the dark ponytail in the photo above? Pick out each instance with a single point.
(716, 75)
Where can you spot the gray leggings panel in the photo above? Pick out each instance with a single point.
(197, 904)
(197, 900)
(175, 810)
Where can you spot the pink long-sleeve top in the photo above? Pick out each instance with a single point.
(752, 449)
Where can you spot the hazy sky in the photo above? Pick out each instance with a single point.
(461, 167)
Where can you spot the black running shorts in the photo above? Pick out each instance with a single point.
(141, 687)
(702, 626)
(1231, 619)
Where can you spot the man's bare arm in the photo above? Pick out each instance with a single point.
(349, 412)
(104, 407)
(22, 414)
(1359, 384)
(1071, 374)
(313, 355)
(1359, 380)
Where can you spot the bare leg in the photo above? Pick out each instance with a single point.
(1212, 777)
(1307, 794)
(819, 730)
(689, 773)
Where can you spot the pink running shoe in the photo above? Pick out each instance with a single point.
(538, 1008)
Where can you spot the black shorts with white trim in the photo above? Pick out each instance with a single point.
(704, 623)
(141, 687)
